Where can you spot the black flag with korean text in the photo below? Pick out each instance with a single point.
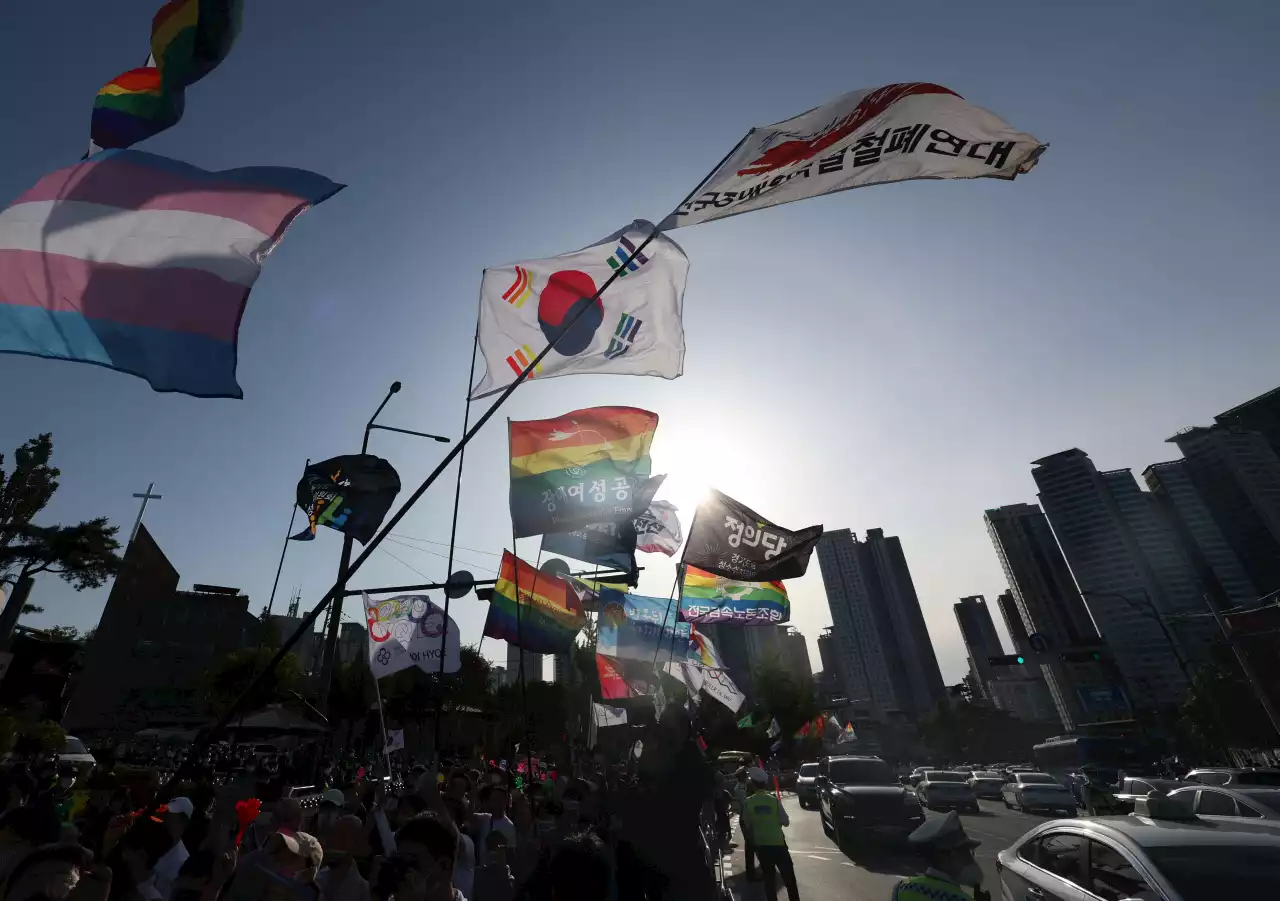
(351, 494)
(611, 544)
(732, 540)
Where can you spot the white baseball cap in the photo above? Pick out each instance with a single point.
(182, 806)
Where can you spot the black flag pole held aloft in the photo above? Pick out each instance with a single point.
(335, 592)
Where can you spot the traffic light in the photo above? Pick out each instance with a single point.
(1085, 656)
(1006, 660)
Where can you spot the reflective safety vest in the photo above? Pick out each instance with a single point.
(927, 888)
(760, 817)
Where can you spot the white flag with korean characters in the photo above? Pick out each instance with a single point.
(867, 137)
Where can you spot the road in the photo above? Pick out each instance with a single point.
(824, 872)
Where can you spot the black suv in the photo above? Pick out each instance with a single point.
(860, 797)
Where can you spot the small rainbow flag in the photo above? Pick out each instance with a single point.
(549, 613)
(584, 467)
(189, 38)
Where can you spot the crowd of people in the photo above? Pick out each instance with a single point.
(520, 830)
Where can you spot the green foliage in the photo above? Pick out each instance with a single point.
(85, 555)
(43, 737)
(1221, 711)
(67, 633)
(961, 731)
(223, 682)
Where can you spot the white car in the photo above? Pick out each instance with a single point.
(942, 788)
(1167, 857)
(987, 784)
(1037, 791)
(1244, 804)
(74, 753)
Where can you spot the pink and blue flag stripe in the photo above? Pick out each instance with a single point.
(144, 264)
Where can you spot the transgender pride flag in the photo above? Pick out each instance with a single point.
(143, 264)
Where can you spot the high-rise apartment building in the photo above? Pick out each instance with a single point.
(1236, 473)
(1043, 599)
(532, 665)
(981, 642)
(886, 659)
(795, 656)
(1013, 622)
(1220, 570)
(1262, 414)
(1129, 567)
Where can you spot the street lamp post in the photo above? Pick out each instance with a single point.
(329, 658)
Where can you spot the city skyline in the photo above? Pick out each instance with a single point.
(990, 323)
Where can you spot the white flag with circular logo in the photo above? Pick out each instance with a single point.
(405, 631)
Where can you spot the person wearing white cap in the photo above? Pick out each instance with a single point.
(177, 814)
(952, 866)
(764, 816)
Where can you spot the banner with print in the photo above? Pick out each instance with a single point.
(350, 494)
(405, 631)
(608, 716)
(716, 682)
(708, 598)
(867, 137)
(658, 529)
(634, 328)
(730, 539)
(635, 627)
(611, 544)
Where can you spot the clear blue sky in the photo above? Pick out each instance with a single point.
(893, 356)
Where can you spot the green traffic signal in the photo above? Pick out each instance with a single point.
(1021, 659)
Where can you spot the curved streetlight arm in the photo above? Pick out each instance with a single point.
(387, 428)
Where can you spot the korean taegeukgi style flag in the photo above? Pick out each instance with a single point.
(586, 466)
(867, 137)
(658, 529)
(730, 539)
(143, 264)
(405, 631)
(633, 328)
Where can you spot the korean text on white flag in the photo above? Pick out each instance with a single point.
(866, 137)
(405, 631)
(658, 529)
(633, 328)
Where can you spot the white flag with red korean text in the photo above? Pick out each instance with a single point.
(867, 137)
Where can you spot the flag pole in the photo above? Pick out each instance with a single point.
(658, 650)
(382, 721)
(524, 695)
(453, 535)
(335, 592)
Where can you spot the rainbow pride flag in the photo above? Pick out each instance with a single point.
(709, 598)
(189, 38)
(583, 467)
(548, 609)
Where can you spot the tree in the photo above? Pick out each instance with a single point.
(223, 682)
(960, 731)
(1221, 711)
(85, 555)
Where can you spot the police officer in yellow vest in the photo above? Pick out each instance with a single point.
(952, 866)
(763, 816)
